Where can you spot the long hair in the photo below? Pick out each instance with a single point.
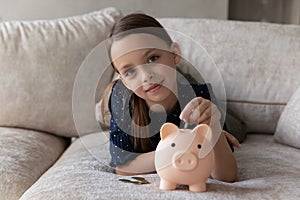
(130, 24)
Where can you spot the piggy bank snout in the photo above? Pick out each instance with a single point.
(185, 161)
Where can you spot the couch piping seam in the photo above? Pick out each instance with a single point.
(256, 102)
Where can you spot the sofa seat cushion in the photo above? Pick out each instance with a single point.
(24, 156)
(266, 170)
(39, 63)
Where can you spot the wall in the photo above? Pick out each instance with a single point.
(47, 9)
(276, 11)
(291, 12)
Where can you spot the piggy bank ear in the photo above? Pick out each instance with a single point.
(168, 129)
(205, 131)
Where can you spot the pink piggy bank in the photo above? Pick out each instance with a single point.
(184, 156)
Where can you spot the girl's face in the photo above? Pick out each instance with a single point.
(147, 66)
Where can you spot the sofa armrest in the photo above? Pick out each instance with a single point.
(24, 156)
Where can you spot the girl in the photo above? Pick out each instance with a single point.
(147, 94)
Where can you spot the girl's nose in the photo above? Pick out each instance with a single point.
(148, 77)
(147, 74)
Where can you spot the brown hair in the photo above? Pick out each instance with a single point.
(130, 24)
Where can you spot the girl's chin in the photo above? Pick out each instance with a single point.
(157, 108)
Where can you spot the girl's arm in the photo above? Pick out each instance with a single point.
(142, 164)
(225, 164)
(201, 110)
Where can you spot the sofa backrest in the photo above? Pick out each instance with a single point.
(258, 62)
(39, 61)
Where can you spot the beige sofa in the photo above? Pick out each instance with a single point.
(52, 146)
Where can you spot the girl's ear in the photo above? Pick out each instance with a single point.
(176, 51)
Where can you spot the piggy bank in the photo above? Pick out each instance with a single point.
(184, 156)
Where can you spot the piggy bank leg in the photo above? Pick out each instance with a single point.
(199, 187)
(166, 185)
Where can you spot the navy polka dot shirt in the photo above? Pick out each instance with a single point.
(121, 138)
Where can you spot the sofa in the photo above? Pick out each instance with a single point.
(54, 140)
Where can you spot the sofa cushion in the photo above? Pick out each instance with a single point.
(82, 172)
(287, 131)
(258, 62)
(39, 62)
(265, 168)
(24, 156)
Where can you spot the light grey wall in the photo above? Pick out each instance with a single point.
(48, 9)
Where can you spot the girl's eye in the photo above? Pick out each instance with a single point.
(129, 73)
(199, 146)
(153, 59)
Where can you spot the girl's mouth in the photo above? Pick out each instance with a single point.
(154, 88)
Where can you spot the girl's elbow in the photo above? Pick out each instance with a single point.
(229, 177)
(123, 172)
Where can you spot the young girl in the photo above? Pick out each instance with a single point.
(147, 94)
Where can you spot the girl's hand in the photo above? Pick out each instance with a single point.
(232, 139)
(200, 111)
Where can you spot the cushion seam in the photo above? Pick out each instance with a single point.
(257, 102)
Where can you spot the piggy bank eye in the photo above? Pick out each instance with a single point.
(173, 144)
(199, 146)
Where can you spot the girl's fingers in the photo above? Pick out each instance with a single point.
(189, 108)
(197, 111)
(207, 122)
(232, 139)
(205, 115)
(194, 116)
(203, 105)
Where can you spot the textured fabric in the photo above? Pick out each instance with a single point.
(24, 156)
(288, 127)
(258, 62)
(267, 170)
(39, 62)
